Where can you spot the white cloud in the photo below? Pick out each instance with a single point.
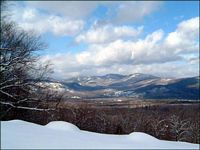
(29, 15)
(62, 26)
(65, 18)
(127, 12)
(142, 51)
(127, 52)
(153, 54)
(70, 9)
(113, 48)
(65, 69)
(185, 38)
(108, 33)
(120, 11)
(32, 19)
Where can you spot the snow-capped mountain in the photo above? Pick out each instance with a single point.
(133, 85)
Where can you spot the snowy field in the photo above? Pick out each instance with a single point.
(17, 134)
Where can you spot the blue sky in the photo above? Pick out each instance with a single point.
(99, 37)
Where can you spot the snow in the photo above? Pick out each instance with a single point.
(70, 91)
(56, 86)
(89, 78)
(61, 125)
(75, 97)
(119, 100)
(17, 134)
(164, 81)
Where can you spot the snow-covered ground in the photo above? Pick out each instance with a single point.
(17, 134)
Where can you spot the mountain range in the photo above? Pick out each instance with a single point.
(134, 85)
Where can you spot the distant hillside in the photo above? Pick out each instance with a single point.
(134, 85)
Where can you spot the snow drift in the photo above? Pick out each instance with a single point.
(17, 134)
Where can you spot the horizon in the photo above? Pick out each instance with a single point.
(102, 37)
(165, 77)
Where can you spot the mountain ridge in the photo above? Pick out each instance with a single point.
(133, 85)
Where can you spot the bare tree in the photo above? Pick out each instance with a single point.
(20, 70)
(179, 127)
(195, 131)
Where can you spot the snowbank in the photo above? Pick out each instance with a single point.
(17, 134)
(61, 125)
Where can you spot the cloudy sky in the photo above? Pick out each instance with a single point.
(100, 37)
